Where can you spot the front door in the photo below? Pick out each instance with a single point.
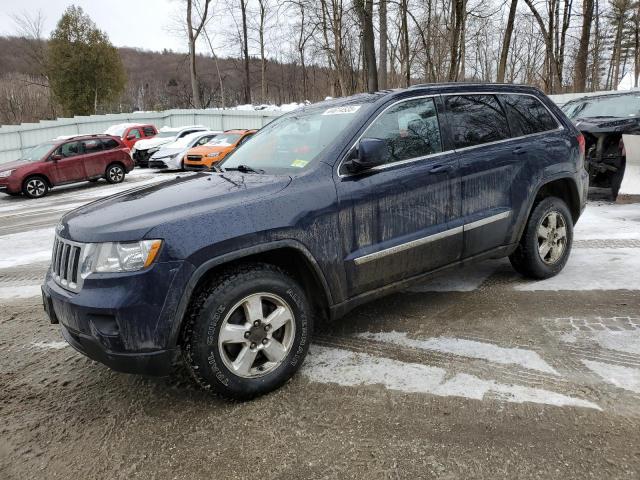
(488, 163)
(400, 216)
(70, 165)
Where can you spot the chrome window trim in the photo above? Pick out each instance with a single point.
(454, 150)
(430, 238)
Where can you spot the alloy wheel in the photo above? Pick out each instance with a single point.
(552, 237)
(36, 187)
(116, 174)
(256, 335)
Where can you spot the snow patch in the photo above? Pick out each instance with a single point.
(609, 221)
(623, 377)
(625, 341)
(346, 368)
(594, 269)
(26, 247)
(467, 348)
(50, 345)
(25, 291)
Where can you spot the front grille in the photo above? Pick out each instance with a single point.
(65, 263)
(194, 158)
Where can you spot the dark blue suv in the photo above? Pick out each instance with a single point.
(324, 209)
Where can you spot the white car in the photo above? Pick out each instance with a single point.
(171, 155)
(143, 149)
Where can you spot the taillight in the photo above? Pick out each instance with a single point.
(581, 144)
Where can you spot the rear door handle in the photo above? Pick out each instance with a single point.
(519, 151)
(441, 168)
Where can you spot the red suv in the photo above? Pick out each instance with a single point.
(69, 160)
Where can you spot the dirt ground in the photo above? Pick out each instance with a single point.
(476, 374)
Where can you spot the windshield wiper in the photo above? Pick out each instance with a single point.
(245, 169)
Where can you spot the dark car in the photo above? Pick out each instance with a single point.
(603, 120)
(63, 161)
(326, 208)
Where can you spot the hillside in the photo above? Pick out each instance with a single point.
(155, 81)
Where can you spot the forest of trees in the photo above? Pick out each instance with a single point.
(280, 51)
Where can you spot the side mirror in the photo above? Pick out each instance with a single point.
(130, 137)
(371, 152)
(55, 157)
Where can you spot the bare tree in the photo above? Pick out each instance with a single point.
(193, 32)
(506, 41)
(364, 9)
(383, 40)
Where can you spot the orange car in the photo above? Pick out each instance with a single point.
(202, 157)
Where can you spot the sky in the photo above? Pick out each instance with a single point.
(145, 24)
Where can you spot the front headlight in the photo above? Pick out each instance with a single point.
(113, 257)
(213, 154)
(6, 173)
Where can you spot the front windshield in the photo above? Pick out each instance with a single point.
(224, 140)
(293, 142)
(116, 130)
(38, 152)
(614, 106)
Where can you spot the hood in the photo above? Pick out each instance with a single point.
(128, 216)
(608, 124)
(205, 149)
(152, 142)
(11, 165)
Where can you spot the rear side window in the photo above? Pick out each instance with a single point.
(109, 143)
(527, 115)
(91, 146)
(410, 130)
(149, 131)
(476, 119)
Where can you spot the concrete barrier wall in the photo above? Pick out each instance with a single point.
(16, 139)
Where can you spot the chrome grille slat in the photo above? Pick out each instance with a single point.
(65, 263)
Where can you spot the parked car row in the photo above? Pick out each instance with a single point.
(70, 159)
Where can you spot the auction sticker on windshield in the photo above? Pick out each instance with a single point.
(341, 110)
(299, 163)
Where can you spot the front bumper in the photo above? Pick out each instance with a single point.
(141, 157)
(195, 168)
(153, 163)
(125, 321)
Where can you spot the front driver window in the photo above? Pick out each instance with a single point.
(70, 149)
(410, 130)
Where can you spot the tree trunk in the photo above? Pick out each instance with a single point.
(406, 54)
(506, 42)
(458, 18)
(382, 70)
(263, 61)
(365, 14)
(195, 91)
(580, 72)
(245, 52)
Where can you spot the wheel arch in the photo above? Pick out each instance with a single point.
(289, 255)
(37, 174)
(563, 187)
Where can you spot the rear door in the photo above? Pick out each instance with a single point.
(488, 164)
(95, 159)
(402, 214)
(70, 167)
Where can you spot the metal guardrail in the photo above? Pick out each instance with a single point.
(16, 139)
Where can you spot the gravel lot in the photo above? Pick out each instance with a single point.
(476, 374)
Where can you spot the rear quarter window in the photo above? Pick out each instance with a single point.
(527, 115)
(109, 143)
(476, 119)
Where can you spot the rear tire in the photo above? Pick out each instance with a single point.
(115, 173)
(546, 242)
(35, 187)
(247, 333)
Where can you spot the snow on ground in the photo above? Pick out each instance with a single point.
(609, 221)
(25, 291)
(26, 247)
(467, 348)
(50, 345)
(594, 269)
(347, 368)
(623, 377)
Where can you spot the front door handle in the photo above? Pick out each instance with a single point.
(519, 151)
(441, 168)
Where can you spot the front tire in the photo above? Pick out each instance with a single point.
(248, 332)
(35, 187)
(115, 173)
(546, 242)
